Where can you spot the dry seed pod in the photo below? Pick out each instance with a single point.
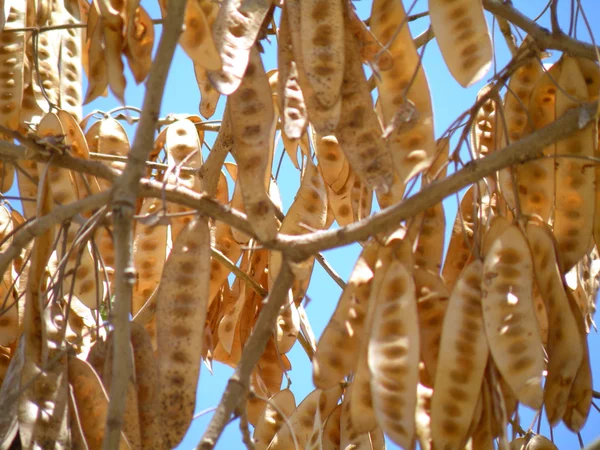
(307, 213)
(75, 139)
(371, 50)
(109, 137)
(12, 59)
(251, 110)
(235, 31)
(279, 408)
(580, 397)
(182, 300)
(112, 24)
(291, 101)
(516, 101)
(461, 240)
(288, 325)
(331, 160)
(341, 338)
(139, 40)
(301, 421)
(66, 12)
(350, 437)
(322, 43)
(149, 253)
(565, 349)
(403, 83)
(510, 324)
(209, 96)
(394, 351)
(91, 401)
(463, 356)
(97, 71)
(428, 230)
(482, 436)
(331, 434)
(324, 119)
(361, 199)
(226, 244)
(146, 376)
(575, 178)
(196, 38)
(432, 301)
(536, 442)
(536, 179)
(358, 131)
(462, 34)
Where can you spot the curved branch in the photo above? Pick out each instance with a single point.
(544, 37)
(528, 148)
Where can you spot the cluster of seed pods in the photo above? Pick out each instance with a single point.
(419, 348)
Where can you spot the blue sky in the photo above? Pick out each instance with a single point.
(449, 100)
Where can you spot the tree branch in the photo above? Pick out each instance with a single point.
(124, 195)
(238, 384)
(544, 37)
(528, 148)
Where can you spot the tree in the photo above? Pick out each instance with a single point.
(127, 265)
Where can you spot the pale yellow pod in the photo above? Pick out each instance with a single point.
(209, 96)
(12, 59)
(575, 178)
(109, 137)
(149, 253)
(91, 401)
(226, 244)
(581, 395)
(565, 349)
(308, 213)
(331, 430)
(361, 199)
(482, 436)
(279, 408)
(292, 107)
(196, 38)
(75, 138)
(510, 323)
(395, 195)
(516, 100)
(253, 120)
(461, 240)
(432, 301)
(341, 202)
(463, 357)
(183, 144)
(9, 312)
(324, 119)
(181, 305)
(331, 160)
(227, 325)
(301, 421)
(287, 325)
(428, 230)
(146, 376)
(462, 34)
(343, 334)
(62, 185)
(402, 83)
(371, 51)
(535, 180)
(350, 438)
(70, 70)
(97, 70)
(322, 43)
(139, 40)
(234, 33)
(394, 351)
(112, 24)
(359, 131)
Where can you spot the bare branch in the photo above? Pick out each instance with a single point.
(526, 149)
(544, 37)
(124, 195)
